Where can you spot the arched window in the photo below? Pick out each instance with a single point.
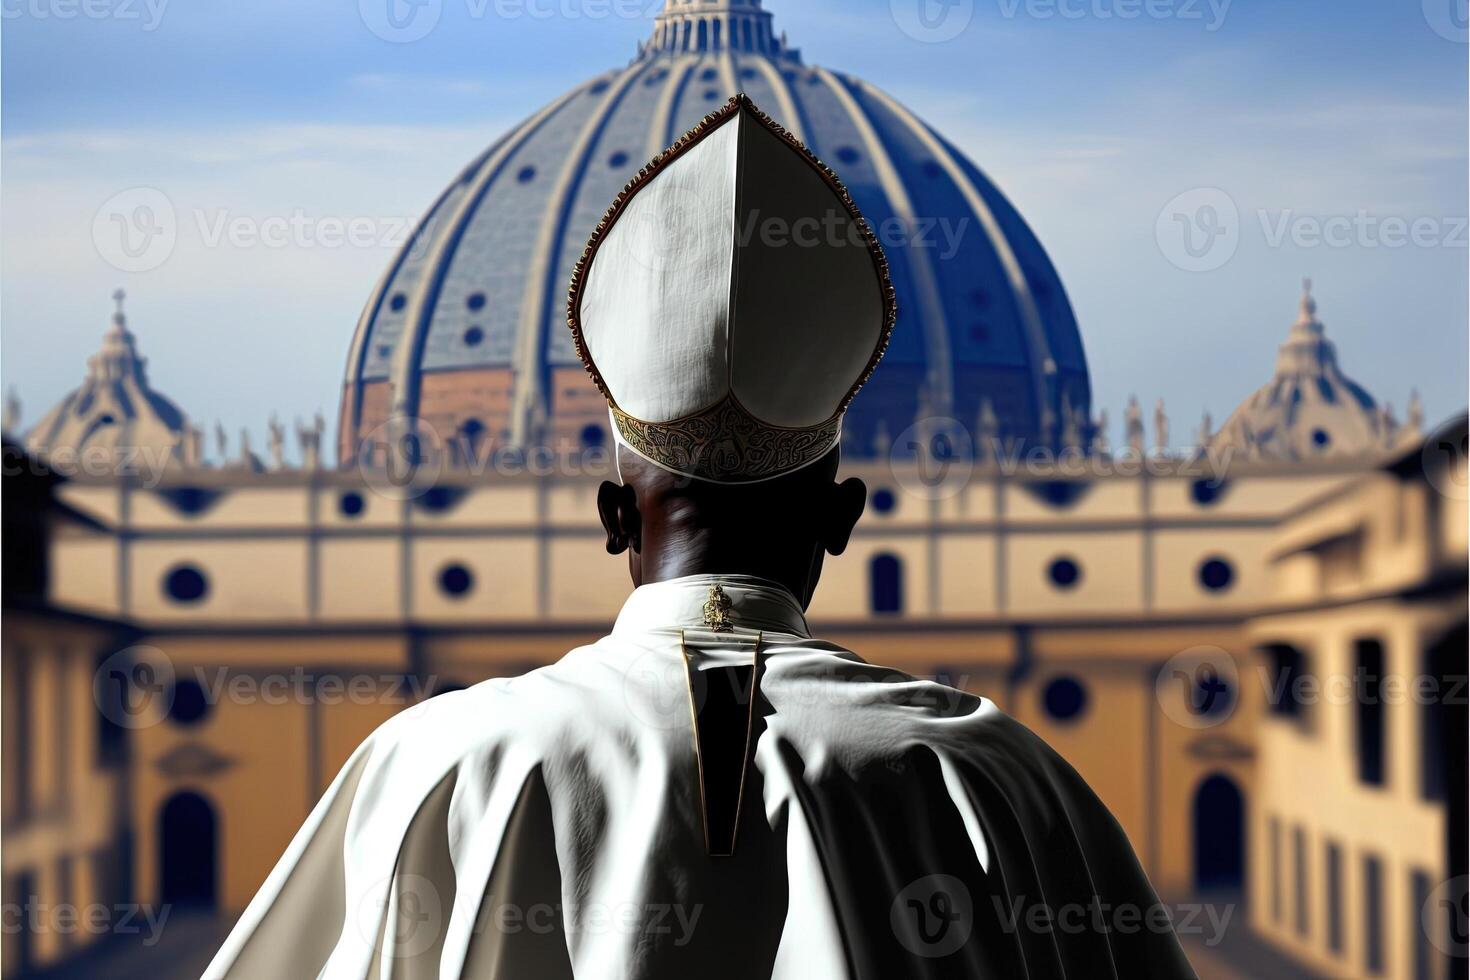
(187, 849)
(885, 583)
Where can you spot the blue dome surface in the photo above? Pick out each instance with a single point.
(467, 327)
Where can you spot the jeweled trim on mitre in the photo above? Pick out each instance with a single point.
(726, 444)
(887, 295)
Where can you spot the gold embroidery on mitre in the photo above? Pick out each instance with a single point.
(726, 444)
(717, 611)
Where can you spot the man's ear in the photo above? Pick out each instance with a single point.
(617, 506)
(845, 504)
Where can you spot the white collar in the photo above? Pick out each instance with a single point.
(755, 604)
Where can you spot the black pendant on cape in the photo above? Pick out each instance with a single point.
(722, 701)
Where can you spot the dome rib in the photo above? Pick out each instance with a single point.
(663, 114)
(1025, 301)
(405, 376)
(921, 263)
(530, 353)
(362, 335)
(795, 119)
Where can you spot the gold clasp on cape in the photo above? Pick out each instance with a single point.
(717, 611)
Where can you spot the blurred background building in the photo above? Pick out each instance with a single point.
(1230, 643)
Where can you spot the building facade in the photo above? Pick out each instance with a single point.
(206, 636)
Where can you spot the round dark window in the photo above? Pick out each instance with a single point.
(1321, 439)
(709, 74)
(107, 419)
(438, 499)
(1064, 699)
(525, 175)
(1207, 492)
(456, 580)
(185, 584)
(190, 705)
(711, 94)
(1216, 574)
(351, 504)
(848, 155)
(593, 436)
(398, 302)
(618, 160)
(473, 337)
(1064, 573)
(884, 501)
(931, 169)
(475, 302)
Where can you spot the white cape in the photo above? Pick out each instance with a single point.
(551, 826)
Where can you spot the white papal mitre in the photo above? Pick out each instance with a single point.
(731, 303)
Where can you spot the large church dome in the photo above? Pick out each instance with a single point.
(466, 330)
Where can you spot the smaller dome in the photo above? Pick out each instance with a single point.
(1310, 409)
(114, 410)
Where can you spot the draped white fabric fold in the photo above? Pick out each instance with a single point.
(550, 826)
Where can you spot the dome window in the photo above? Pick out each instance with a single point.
(398, 302)
(709, 75)
(185, 583)
(593, 436)
(475, 302)
(600, 86)
(618, 160)
(1216, 574)
(473, 337)
(1064, 573)
(979, 299)
(1329, 394)
(711, 94)
(848, 155)
(1321, 439)
(455, 580)
(526, 175)
(748, 73)
(107, 418)
(385, 350)
(351, 504)
(884, 501)
(980, 333)
(1065, 699)
(931, 169)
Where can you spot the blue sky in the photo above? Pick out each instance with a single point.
(1092, 115)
